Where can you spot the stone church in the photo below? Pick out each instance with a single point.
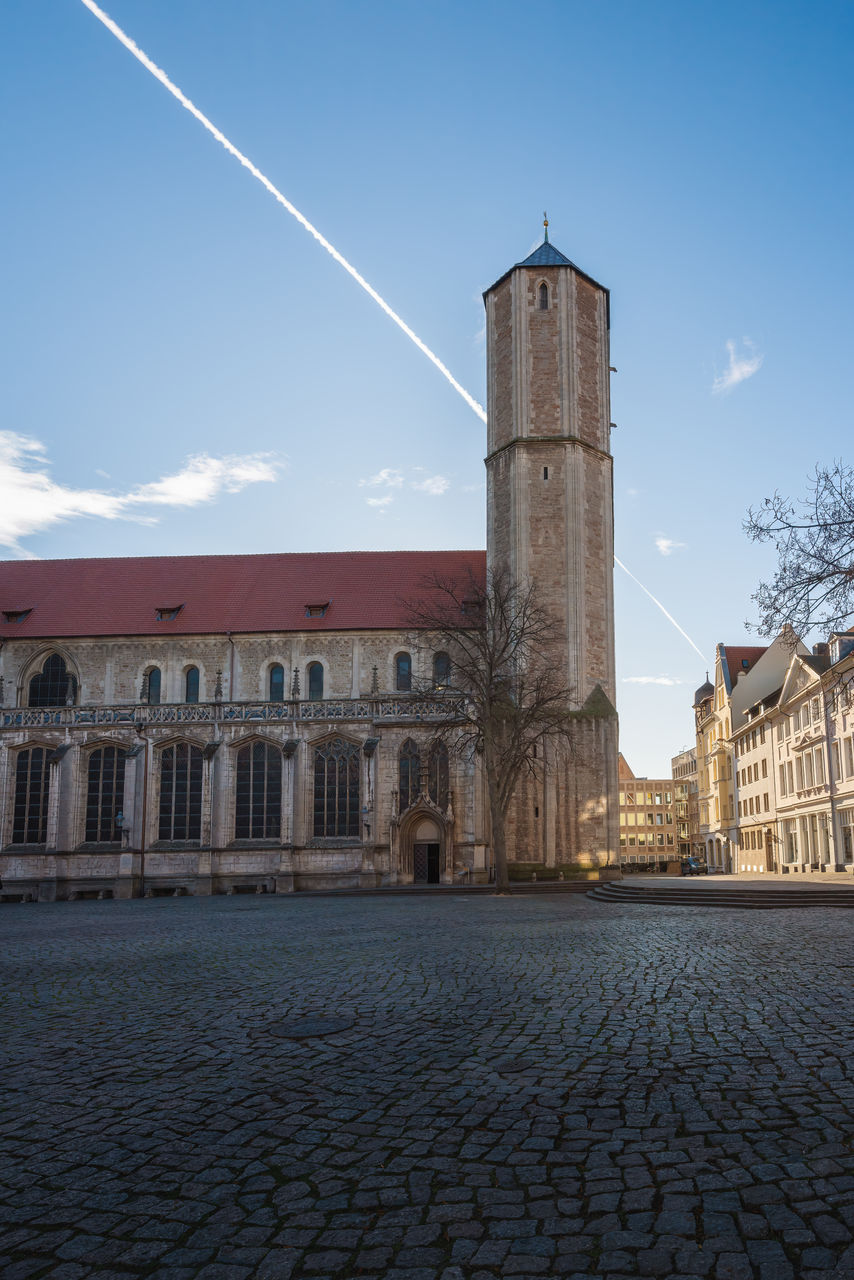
(269, 723)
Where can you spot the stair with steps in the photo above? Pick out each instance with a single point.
(707, 895)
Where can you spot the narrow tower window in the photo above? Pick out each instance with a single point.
(315, 681)
(151, 687)
(544, 296)
(191, 685)
(277, 682)
(441, 670)
(403, 673)
(545, 473)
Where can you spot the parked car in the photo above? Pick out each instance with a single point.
(693, 867)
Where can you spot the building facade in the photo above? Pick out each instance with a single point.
(648, 823)
(683, 768)
(787, 762)
(274, 723)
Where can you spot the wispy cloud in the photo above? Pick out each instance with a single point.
(740, 367)
(31, 501)
(392, 479)
(667, 545)
(388, 477)
(667, 680)
(435, 485)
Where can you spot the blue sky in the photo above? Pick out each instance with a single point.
(160, 306)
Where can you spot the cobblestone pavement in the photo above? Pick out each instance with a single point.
(516, 1087)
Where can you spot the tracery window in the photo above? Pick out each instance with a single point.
(409, 774)
(544, 297)
(152, 687)
(104, 794)
(32, 791)
(180, 792)
(277, 683)
(438, 775)
(53, 686)
(258, 807)
(315, 680)
(441, 669)
(191, 684)
(336, 789)
(403, 673)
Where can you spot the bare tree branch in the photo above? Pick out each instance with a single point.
(505, 700)
(813, 584)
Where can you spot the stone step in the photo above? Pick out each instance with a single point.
(752, 899)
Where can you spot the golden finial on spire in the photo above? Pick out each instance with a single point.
(546, 224)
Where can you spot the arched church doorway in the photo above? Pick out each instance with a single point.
(426, 852)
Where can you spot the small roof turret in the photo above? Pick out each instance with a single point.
(704, 692)
(546, 255)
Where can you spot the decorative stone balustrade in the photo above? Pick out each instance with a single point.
(430, 709)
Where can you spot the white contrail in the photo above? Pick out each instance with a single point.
(274, 191)
(667, 615)
(330, 249)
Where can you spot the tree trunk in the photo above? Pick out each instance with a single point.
(499, 835)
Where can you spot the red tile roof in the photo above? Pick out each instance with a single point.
(736, 655)
(365, 590)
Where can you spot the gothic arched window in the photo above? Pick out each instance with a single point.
(441, 670)
(277, 683)
(543, 293)
(403, 673)
(409, 774)
(152, 687)
(438, 775)
(180, 793)
(258, 803)
(191, 684)
(104, 795)
(53, 686)
(315, 680)
(32, 790)
(336, 789)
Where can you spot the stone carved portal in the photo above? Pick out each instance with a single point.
(426, 851)
(423, 843)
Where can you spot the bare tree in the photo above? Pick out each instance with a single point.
(506, 702)
(814, 538)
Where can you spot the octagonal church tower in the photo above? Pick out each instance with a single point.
(550, 523)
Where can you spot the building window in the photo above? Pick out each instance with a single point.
(846, 819)
(277, 683)
(32, 790)
(180, 793)
(151, 687)
(438, 775)
(258, 804)
(315, 681)
(409, 774)
(336, 789)
(403, 673)
(543, 295)
(441, 670)
(191, 684)
(104, 792)
(53, 686)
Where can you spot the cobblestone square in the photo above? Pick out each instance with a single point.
(438, 1086)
